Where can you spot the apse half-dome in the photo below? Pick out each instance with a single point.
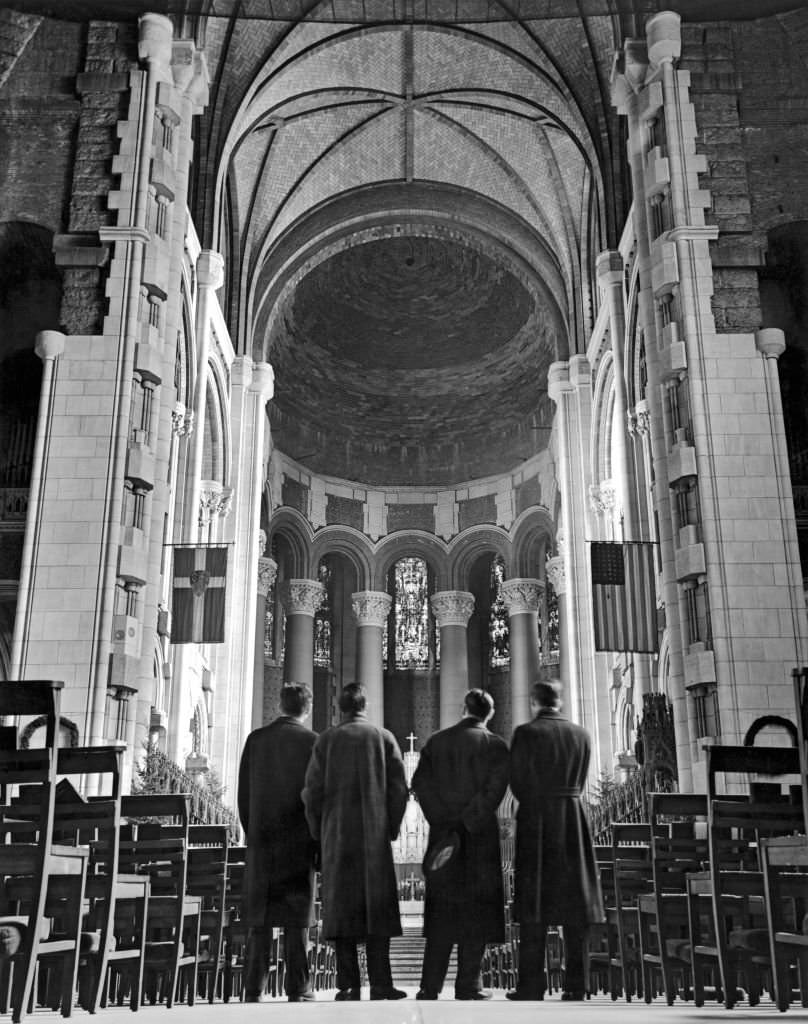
(413, 359)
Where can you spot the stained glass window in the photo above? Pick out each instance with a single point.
(411, 604)
(553, 645)
(324, 619)
(498, 629)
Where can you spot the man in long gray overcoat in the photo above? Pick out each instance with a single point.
(355, 796)
(461, 777)
(280, 849)
(555, 873)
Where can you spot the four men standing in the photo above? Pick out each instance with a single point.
(346, 791)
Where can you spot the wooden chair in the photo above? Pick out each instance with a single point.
(173, 924)
(207, 879)
(633, 877)
(737, 937)
(114, 933)
(601, 939)
(785, 879)
(663, 919)
(235, 930)
(42, 890)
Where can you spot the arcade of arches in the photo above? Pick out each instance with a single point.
(403, 306)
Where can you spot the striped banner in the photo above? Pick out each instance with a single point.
(624, 596)
(197, 605)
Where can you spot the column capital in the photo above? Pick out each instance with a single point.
(49, 344)
(770, 342)
(452, 607)
(609, 268)
(210, 269)
(556, 574)
(371, 607)
(302, 597)
(522, 595)
(663, 32)
(214, 500)
(267, 574)
(263, 380)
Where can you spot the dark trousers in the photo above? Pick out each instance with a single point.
(437, 952)
(295, 956)
(532, 939)
(378, 961)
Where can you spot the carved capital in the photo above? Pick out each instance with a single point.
(522, 595)
(556, 574)
(214, 500)
(267, 574)
(182, 420)
(603, 497)
(371, 607)
(452, 607)
(302, 597)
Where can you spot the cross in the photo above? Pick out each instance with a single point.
(198, 581)
(412, 738)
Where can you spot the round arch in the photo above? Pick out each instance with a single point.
(295, 530)
(533, 536)
(350, 543)
(411, 545)
(472, 544)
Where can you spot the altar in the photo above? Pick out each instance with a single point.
(408, 852)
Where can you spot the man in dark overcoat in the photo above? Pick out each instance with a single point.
(355, 796)
(280, 849)
(461, 778)
(556, 877)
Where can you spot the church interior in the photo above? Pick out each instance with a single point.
(336, 336)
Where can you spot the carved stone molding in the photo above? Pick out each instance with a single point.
(522, 595)
(603, 497)
(556, 574)
(267, 574)
(214, 500)
(182, 420)
(371, 607)
(452, 607)
(639, 419)
(302, 597)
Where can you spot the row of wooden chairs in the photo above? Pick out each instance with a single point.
(104, 898)
(710, 895)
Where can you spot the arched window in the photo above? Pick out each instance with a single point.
(324, 619)
(498, 629)
(410, 585)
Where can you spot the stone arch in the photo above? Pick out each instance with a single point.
(533, 538)
(467, 548)
(216, 453)
(603, 420)
(414, 544)
(342, 540)
(293, 527)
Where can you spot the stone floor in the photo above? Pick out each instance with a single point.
(599, 1010)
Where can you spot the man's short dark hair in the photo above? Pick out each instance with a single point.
(352, 700)
(295, 699)
(548, 695)
(479, 703)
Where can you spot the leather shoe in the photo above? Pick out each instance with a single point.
(303, 997)
(387, 993)
(480, 993)
(574, 995)
(262, 997)
(346, 994)
(421, 994)
(519, 994)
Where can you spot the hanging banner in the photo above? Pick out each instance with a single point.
(197, 607)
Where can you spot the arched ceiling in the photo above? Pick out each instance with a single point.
(480, 153)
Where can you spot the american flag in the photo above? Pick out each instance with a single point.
(197, 605)
(624, 596)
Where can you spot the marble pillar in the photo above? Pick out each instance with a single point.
(522, 598)
(371, 608)
(301, 599)
(452, 610)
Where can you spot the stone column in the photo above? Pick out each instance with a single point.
(209, 277)
(267, 574)
(570, 387)
(452, 610)
(49, 346)
(522, 598)
(371, 608)
(610, 272)
(554, 568)
(301, 599)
